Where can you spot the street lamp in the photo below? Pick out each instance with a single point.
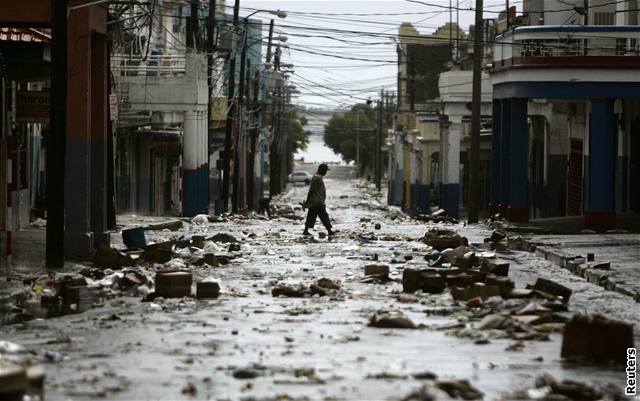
(277, 13)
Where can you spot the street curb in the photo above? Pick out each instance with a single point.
(577, 265)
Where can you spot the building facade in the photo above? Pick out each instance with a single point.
(566, 115)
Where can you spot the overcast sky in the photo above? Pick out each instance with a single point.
(341, 58)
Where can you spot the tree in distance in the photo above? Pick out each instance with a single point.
(340, 134)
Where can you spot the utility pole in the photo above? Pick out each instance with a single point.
(586, 12)
(358, 140)
(211, 20)
(270, 41)
(586, 22)
(240, 116)
(508, 20)
(474, 170)
(379, 143)
(231, 114)
(57, 143)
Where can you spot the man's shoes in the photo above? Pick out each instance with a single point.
(331, 233)
(305, 232)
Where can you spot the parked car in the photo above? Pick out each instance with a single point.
(300, 176)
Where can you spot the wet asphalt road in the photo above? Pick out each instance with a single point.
(188, 349)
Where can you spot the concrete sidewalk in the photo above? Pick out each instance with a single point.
(622, 251)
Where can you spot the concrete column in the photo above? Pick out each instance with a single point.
(99, 140)
(204, 166)
(451, 186)
(505, 156)
(518, 210)
(398, 170)
(496, 150)
(199, 162)
(86, 121)
(600, 212)
(190, 164)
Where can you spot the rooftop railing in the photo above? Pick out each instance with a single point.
(566, 41)
(164, 65)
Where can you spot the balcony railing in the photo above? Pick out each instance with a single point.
(165, 65)
(568, 44)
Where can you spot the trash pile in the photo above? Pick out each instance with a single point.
(439, 216)
(480, 281)
(546, 387)
(443, 390)
(20, 374)
(173, 268)
(321, 287)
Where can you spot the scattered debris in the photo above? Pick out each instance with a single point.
(246, 373)
(134, 238)
(495, 266)
(190, 389)
(174, 225)
(546, 387)
(328, 284)
(379, 270)
(207, 289)
(157, 253)
(200, 219)
(391, 320)
(297, 290)
(459, 389)
(597, 339)
(223, 237)
(553, 288)
(442, 239)
(173, 283)
(498, 236)
(109, 258)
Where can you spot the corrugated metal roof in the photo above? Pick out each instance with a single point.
(24, 35)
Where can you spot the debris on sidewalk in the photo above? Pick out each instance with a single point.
(442, 239)
(223, 237)
(173, 283)
(21, 381)
(596, 338)
(546, 387)
(297, 290)
(109, 258)
(174, 225)
(379, 270)
(207, 289)
(459, 389)
(553, 288)
(200, 219)
(391, 320)
(134, 238)
(328, 284)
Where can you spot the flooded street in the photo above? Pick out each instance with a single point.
(248, 344)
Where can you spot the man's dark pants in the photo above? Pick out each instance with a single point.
(317, 211)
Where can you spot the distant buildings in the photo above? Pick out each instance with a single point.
(561, 114)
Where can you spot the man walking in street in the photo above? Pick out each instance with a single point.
(316, 202)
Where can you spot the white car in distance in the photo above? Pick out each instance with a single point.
(300, 177)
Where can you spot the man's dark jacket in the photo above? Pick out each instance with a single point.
(317, 194)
